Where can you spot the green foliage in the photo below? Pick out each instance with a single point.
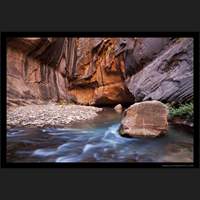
(183, 110)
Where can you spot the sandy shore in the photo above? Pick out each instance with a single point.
(50, 115)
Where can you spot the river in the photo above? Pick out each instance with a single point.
(97, 140)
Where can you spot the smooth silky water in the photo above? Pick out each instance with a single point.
(97, 140)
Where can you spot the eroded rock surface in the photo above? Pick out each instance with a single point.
(168, 77)
(34, 70)
(138, 52)
(143, 119)
(83, 70)
(99, 71)
(99, 74)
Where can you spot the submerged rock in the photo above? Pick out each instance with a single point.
(118, 108)
(147, 118)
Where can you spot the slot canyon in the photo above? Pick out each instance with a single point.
(99, 99)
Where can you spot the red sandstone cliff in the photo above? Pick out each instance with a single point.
(99, 74)
(35, 71)
(99, 71)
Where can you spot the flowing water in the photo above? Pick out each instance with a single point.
(97, 140)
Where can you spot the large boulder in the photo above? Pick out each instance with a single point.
(147, 118)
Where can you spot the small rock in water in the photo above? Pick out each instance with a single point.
(118, 108)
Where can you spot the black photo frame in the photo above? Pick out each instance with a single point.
(194, 164)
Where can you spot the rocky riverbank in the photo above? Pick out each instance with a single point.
(52, 115)
(181, 121)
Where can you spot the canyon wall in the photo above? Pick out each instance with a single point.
(168, 77)
(99, 71)
(34, 71)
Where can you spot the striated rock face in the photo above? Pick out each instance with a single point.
(99, 71)
(138, 52)
(99, 74)
(147, 118)
(84, 70)
(35, 70)
(168, 77)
